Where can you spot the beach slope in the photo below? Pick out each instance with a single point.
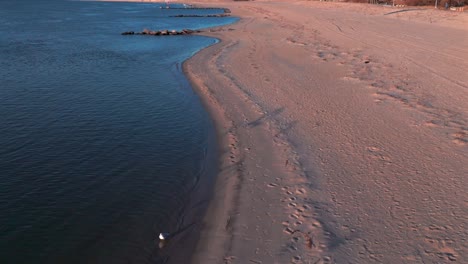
(343, 134)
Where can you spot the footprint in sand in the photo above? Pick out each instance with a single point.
(440, 248)
(377, 85)
(292, 248)
(373, 149)
(296, 259)
(378, 97)
(432, 123)
(460, 138)
(300, 191)
(294, 42)
(294, 216)
(316, 223)
(377, 154)
(288, 231)
(351, 79)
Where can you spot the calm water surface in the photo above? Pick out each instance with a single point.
(101, 139)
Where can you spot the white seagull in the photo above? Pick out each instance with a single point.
(163, 236)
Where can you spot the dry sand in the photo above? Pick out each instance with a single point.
(343, 131)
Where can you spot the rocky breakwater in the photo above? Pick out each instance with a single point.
(216, 15)
(225, 10)
(162, 32)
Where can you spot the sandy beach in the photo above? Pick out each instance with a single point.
(343, 129)
(343, 134)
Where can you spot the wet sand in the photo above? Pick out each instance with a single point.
(343, 134)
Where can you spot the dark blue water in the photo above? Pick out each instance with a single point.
(102, 140)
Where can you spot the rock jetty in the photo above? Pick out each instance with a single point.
(216, 15)
(162, 32)
(225, 10)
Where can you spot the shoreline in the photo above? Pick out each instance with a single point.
(195, 220)
(339, 140)
(183, 247)
(316, 234)
(217, 234)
